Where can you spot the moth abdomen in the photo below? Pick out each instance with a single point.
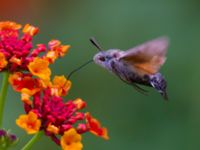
(159, 83)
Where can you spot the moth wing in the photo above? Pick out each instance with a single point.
(147, 58)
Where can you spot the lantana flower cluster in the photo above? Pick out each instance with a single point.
(45, 108)
(16, 51)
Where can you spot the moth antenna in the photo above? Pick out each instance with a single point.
(77, 69)
(95, 43)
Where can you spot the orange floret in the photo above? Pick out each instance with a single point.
(60, 86)
(55, 45)
(95, 127)
(24, 83)
(29, 122)
(40, 67)
(52, 129)
(71, 140)
(3, 61)
(9, 25)
(31, 30)
(80, 104)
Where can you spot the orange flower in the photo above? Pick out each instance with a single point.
(60, 86)
(27, 93)
(15, 60)
(95, 127)
(52, 129)
(63, 49)
(56, 50)
(26, 98)
(51, 56)
(29, 122)
(80, 104)
(71, 140)
(3, 62)
(24, 83)
(40, 67)
(31, 30)
(14, 80)
(56, 46)
(9, 25)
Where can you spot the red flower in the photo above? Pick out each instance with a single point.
(17, 50)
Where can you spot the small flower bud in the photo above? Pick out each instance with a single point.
(7, 139)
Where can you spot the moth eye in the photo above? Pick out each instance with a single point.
(102, 58)
(115, 55)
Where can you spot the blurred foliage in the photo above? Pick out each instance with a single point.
(134, 121)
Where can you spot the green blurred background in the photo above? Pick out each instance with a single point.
(134, 121)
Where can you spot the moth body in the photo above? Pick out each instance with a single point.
(137, 66)
(110, 60)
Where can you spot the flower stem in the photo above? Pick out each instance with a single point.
(3, 93)
(32, 141)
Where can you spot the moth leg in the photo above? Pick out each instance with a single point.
(139, 89)
(136, 87)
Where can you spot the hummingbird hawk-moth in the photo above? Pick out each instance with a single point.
(137, 66)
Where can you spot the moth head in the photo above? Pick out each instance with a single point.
(103, 58)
